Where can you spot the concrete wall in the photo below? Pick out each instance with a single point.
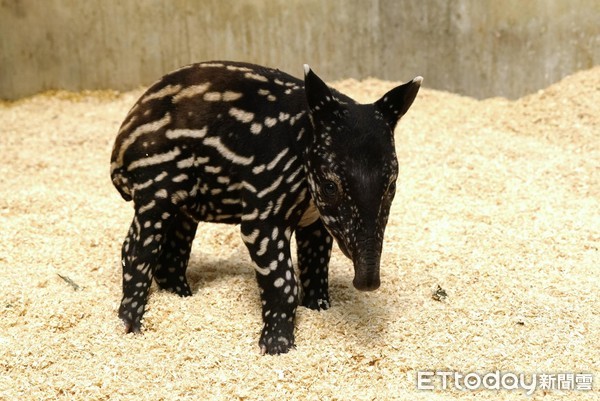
(478, 48)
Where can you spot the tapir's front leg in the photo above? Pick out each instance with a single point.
(269, 247)
(314, 251)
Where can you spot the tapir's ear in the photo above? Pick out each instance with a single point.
(318, 94)
(396, 102)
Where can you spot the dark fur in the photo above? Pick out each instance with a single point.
(238, 143)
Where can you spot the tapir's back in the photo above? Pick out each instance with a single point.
(241, 114)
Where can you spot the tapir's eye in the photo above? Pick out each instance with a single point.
(329, 189)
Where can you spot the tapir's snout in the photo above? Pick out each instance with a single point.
(366, 266)
(370, 283)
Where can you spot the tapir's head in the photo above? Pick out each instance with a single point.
(352, 169)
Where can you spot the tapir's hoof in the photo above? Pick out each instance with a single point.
(316, 303)
(130, 325)
(131, 328)
(280, 346)
(277, 341)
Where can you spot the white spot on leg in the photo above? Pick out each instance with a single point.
(251, 238)
(270, 122)
(250, 216)
(262, 270)
(255, 128)
(146, 207)
(262, 247)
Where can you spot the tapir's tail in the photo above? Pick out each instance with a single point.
(120, 182)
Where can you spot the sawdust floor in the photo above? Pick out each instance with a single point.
(498, 202)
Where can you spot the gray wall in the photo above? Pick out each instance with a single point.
(478, 48)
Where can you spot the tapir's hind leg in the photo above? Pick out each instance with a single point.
(175, 255)
(140, 254)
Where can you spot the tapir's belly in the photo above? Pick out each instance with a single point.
(215, 198)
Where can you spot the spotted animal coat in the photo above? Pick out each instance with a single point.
(238, 143)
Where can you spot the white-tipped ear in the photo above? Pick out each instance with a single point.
(306, 69)
(396, 102)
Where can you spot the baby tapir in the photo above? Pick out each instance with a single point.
(239, 143)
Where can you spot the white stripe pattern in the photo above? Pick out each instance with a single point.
(271, 188)
(143, 129)
(191, 91)
(227, 153)
(277, 158)
(186, 133)
(155, 159)
(241, 115)
(166, 91)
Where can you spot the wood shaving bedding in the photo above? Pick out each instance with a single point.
(497, 204)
